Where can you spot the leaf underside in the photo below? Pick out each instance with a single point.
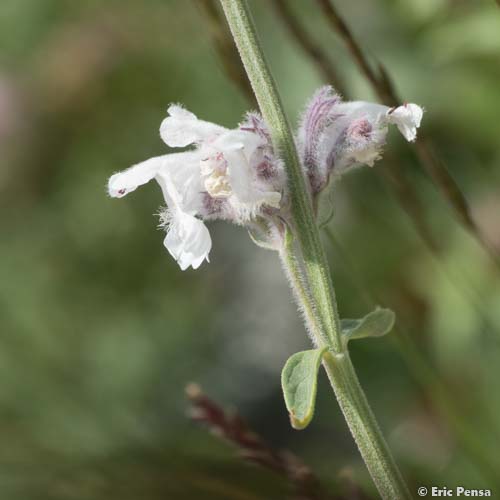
(299, 383)
(375, 324)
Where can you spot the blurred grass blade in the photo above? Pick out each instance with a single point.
(435, 168)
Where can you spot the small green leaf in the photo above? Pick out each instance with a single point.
(258, 229)
(299, 382)
(374, 324)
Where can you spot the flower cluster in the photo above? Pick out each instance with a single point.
(236, 176)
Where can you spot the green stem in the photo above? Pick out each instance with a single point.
(294, 271)
(349, 393)
(315, 263)
(311, 281)
(364, 427)
(350, 396)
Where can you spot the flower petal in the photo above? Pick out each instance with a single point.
(407, 118)
(183, 128)
(181, 182)
(188, 240)
(122, 183)
(232, 140)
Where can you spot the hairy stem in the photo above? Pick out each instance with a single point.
(350, 396)
(364, 427)
(307, 266)
(316, 270)
(293, 269)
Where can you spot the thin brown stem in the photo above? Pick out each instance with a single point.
(354, 48)
(403, 190)
(310, 47)
(408, 200)
(435, 168)
(225, 48)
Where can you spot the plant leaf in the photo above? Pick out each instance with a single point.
(258, 230)
(374, 324)
(299, 383)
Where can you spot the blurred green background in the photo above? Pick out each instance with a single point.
(99, 329)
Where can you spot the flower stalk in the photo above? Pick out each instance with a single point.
(307, 267)
(313, 255)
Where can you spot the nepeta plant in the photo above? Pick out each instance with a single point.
(259, 175)
(235, 175)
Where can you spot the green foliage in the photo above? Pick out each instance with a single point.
(299, 383)
(374, 324)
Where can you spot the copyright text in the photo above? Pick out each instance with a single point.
(459, 491)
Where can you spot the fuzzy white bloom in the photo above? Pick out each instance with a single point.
(219, 178)
(334, 135)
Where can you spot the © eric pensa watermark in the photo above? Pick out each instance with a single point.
(458, 491)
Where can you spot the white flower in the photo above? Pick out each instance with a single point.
(187, 239)
(335, 135)
(220, 178)
(228, 160)
(361, 130)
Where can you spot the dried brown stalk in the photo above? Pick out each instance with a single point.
(253, 448)
(408, 200)
(225, 47)
(435, 168)
(310, 47)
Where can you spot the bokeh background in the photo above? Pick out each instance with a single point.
(99, 329)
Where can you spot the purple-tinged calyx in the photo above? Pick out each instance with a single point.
(316, 118)
(335, 136)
